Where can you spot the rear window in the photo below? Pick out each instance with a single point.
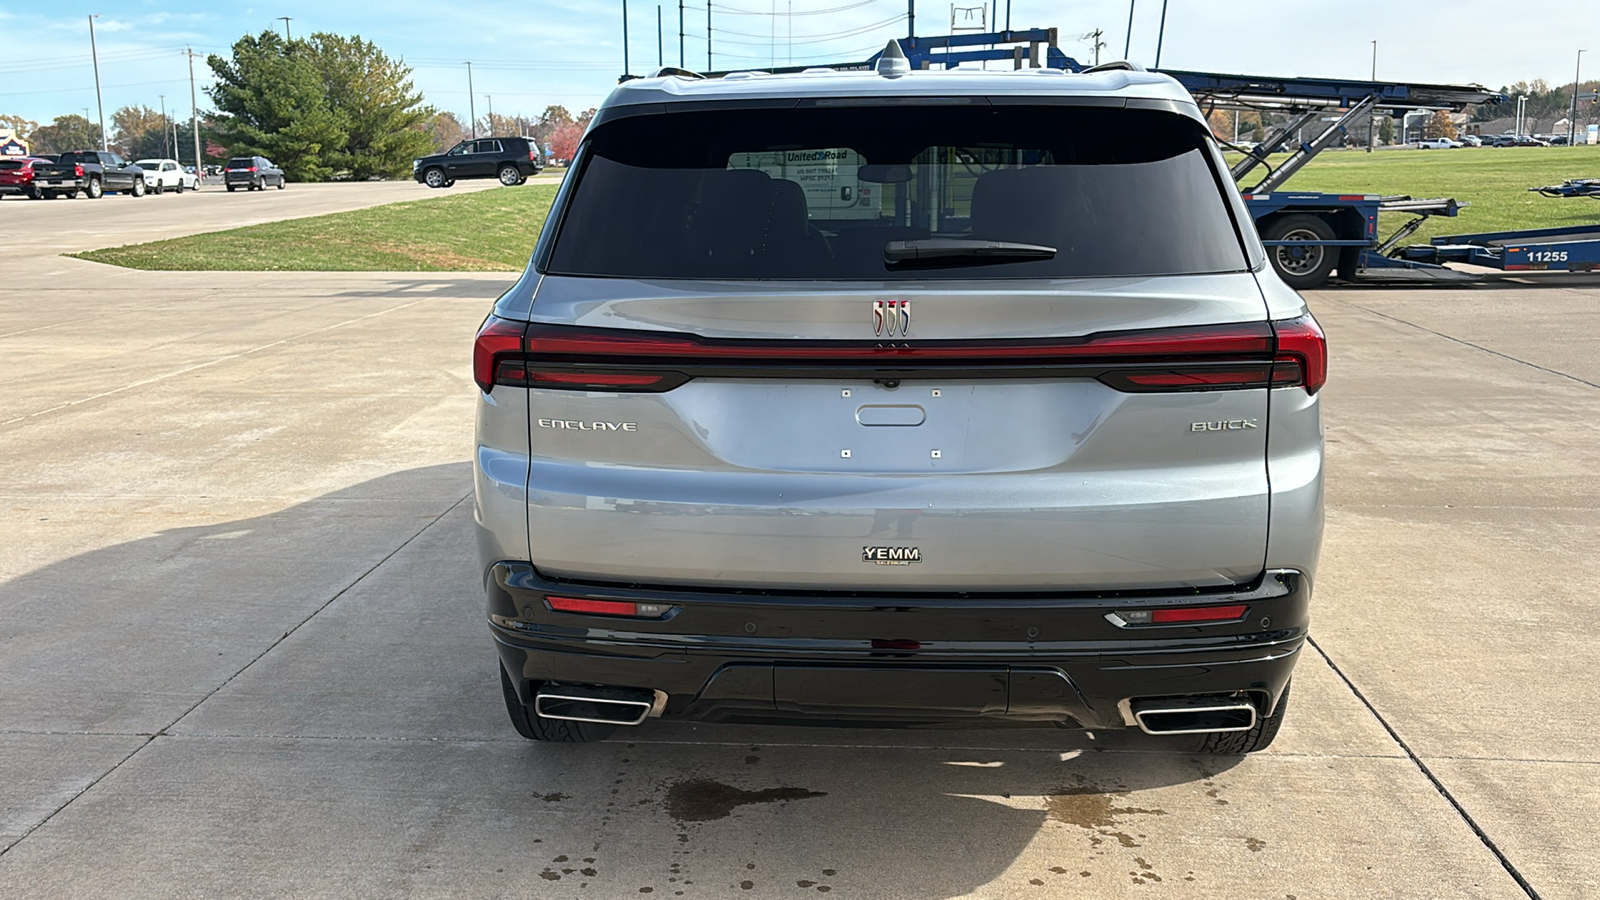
(898, 193)
(241, 162)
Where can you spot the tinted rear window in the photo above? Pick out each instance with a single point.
(818, 193)
(241, 162)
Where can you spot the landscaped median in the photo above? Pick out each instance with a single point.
(485, 231)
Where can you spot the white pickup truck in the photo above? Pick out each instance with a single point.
(1438, 144)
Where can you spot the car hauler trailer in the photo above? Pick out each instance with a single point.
(1309, 235)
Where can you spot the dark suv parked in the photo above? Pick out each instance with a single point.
(252, 172)
(510, 159)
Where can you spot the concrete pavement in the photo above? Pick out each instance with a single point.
(242, 649)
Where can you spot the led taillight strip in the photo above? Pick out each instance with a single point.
(1254, 354)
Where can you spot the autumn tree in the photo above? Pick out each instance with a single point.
(445, 130)
(1439, 125)
(139, 132)
(563, 141)
(65, 134)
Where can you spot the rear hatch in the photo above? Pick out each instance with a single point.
(878, 349)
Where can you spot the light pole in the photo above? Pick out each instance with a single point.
(164, 145)
(1372, 133)
(285, 20)
(94, 54)
(1572, 117)
(1128, 44)
(625, 68)
(194, 122)
(1161, 34)
(472, 103)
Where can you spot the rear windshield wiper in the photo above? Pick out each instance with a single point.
(960, 251)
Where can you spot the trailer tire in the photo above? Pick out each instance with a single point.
(1302, 268)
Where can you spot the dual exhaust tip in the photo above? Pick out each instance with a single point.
(631, 706)
(1193, 715)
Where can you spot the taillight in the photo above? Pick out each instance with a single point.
(77, 171)
(1302, 354)
(531, 155)
(252, 168)
(497, 340)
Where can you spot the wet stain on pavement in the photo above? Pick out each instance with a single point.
(1093, 809)
(703, 800)
(1256, 845)
(552, 797)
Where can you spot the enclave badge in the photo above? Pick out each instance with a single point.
(891, 556)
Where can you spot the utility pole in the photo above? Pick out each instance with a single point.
(626, 69)
(1094, 36)
(491, 113)
(194, 120)
(708, 36)
(472, 103)
(681, 57)
(661, 57)
(911, 18)
(1127, 45)
(1372, 134)
(165, 149)
(285, 21)
(94, 54)
(1572, 117)
(1161, 35)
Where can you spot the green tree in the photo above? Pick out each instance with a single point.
(272, 100)
(375, 105)
(1386, 130)
(65, 134)
(140, 132)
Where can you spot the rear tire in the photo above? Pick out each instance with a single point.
(179, 189)
(160, 186)
(1302, 268)
(1232, 743)
(535, 727)
(94, 191)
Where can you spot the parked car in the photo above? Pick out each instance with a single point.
(94, 172)
(16, 176)
(255, 173)
(1472, 140)
(1441, 143)
(510, 159)
(161, 174)
(761, 436)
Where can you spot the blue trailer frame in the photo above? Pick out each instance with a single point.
(1575, 248)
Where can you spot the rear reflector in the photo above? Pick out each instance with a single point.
(608, 607)
(1182, 615)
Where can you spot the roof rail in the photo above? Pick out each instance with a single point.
(1121, 65)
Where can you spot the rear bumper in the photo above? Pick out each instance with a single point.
(900, 658)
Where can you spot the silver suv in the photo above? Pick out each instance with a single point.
(900, 398)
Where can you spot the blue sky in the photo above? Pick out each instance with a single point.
(531, 54)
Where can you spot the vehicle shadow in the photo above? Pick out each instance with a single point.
(324, 670)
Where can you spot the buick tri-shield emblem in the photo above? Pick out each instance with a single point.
(891, 318)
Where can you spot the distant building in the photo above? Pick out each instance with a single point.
(11, 144)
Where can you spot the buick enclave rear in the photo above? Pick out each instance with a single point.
(843, 398)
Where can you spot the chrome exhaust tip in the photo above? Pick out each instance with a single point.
(604, 705)
(1193, 715)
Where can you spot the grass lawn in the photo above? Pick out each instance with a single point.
(1494, 180)
(486, 231)
(495, 230)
